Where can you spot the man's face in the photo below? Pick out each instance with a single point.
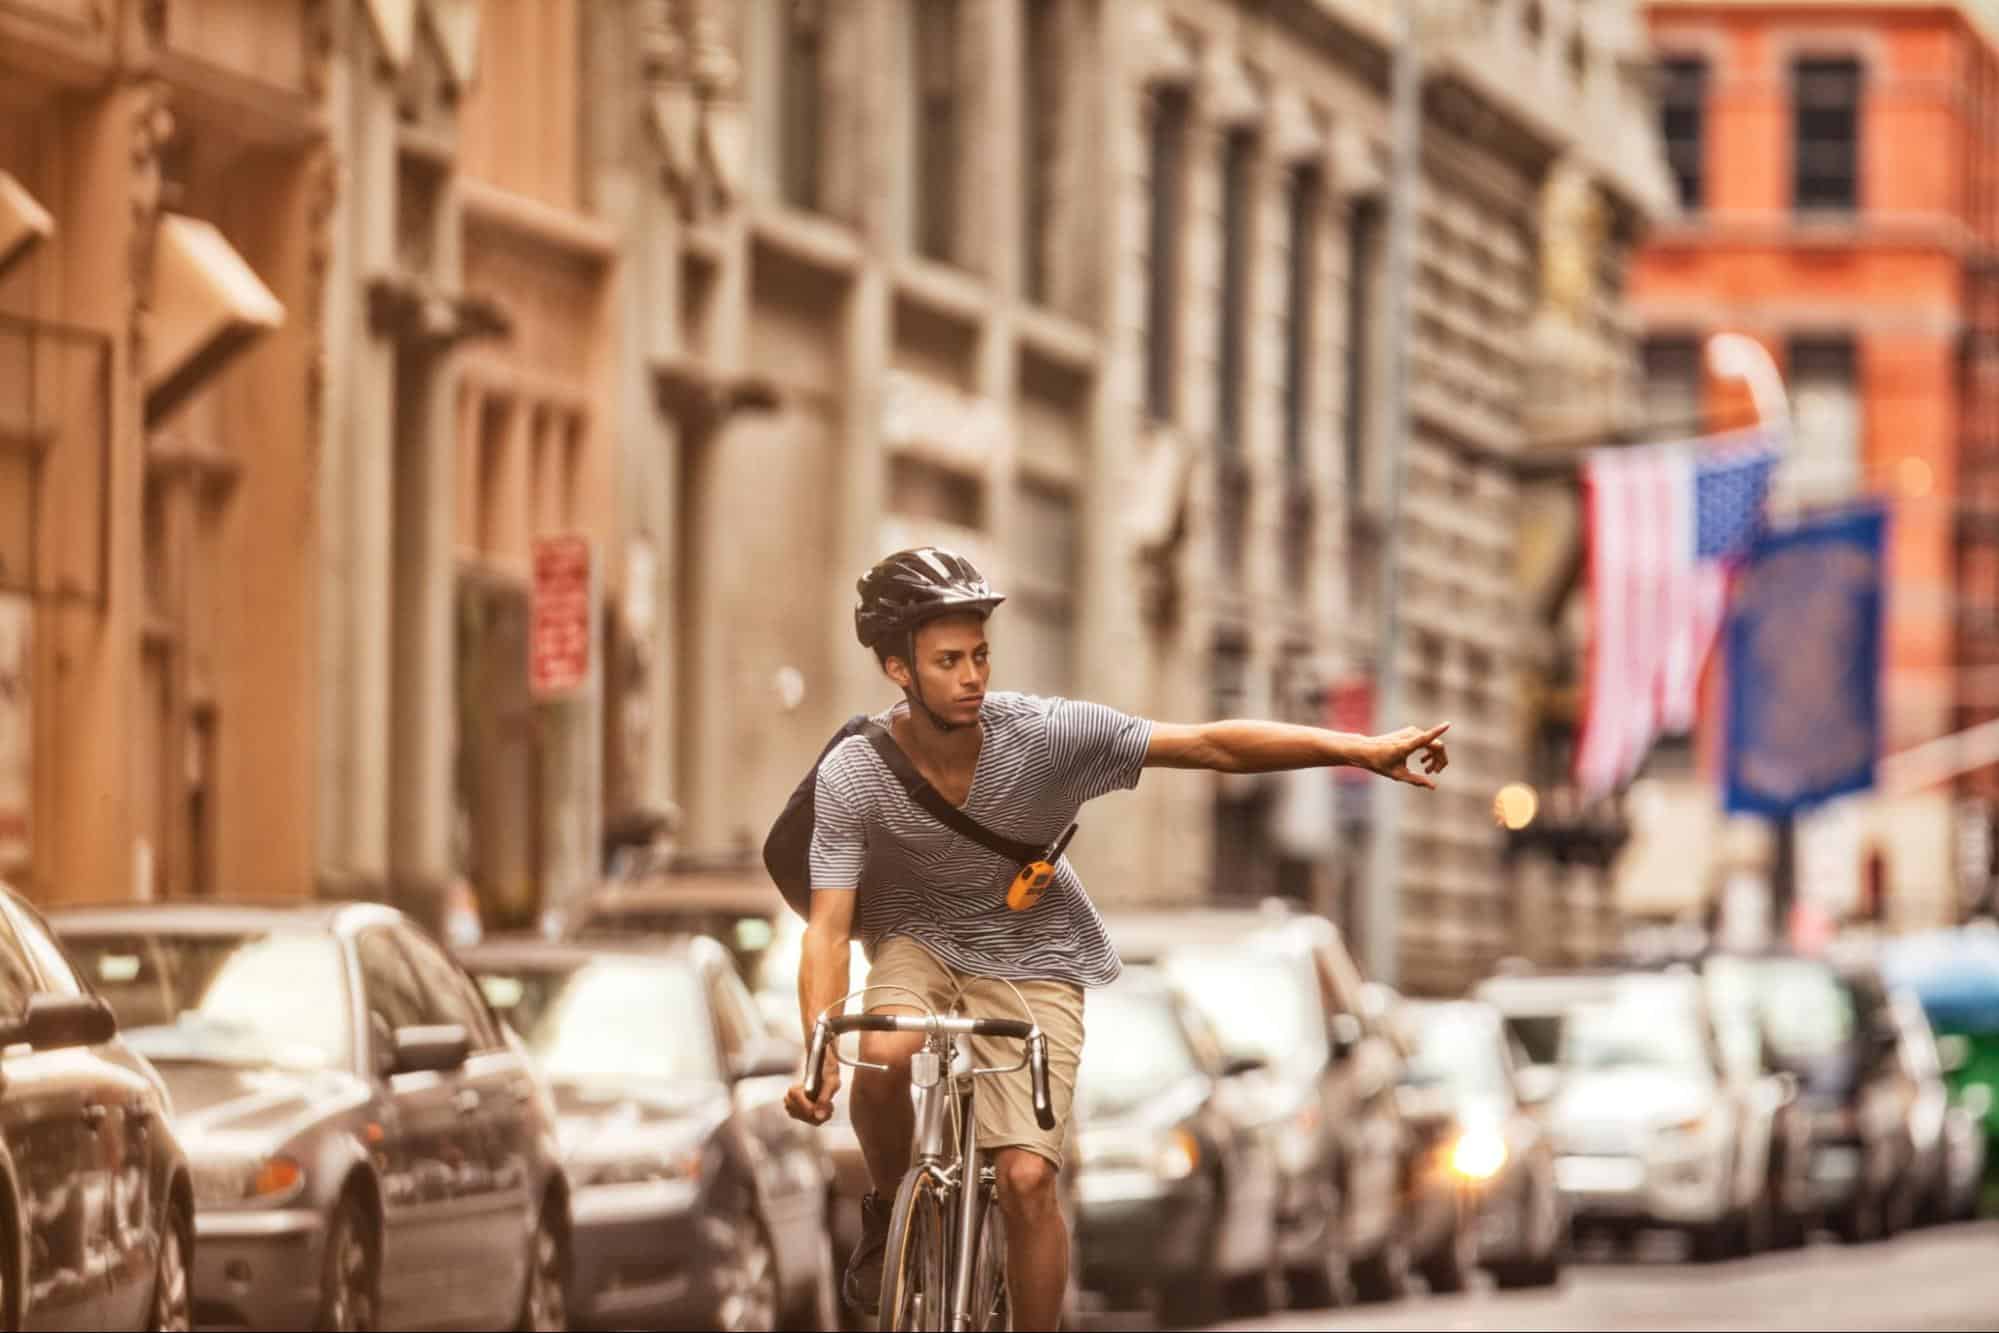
(952, 667)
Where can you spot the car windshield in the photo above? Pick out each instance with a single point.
(1459, 1054)
(1807, 1012)
(591, 1022)
(1632, 1033)
(277, 998)
(1539, 1035)
(1260, 1004)
(1136, 1050)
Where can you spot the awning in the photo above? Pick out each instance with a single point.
(23, 221)
(207, 305)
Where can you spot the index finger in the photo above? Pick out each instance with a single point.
(1435, 732)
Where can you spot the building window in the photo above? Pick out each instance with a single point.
(1365, 274)
(801, 95)
(1238, 162)
(1825, 402)
(1682, 119)
(1305, 187)
(1671, 365)
(1041, 106)
(1825, 168)
(1041, 649)
(1162, 310)
(935, 118)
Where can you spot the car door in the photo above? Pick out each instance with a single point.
(783, 1153)
(421, 1149)
(120, 1114)
(1372, 1124)
(54, 1154)
(495, 1132)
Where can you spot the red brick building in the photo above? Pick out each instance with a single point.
(1838, 173)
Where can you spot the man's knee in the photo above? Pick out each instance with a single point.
(1026, 1183)
(892, 1050)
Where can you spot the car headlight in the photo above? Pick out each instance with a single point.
(262, 1182)
(1178, 1156)
(1479, 1153)
(1174, 1155)
(1690, 1125)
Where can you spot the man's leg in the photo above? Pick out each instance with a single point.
(1037, 1237)
(1026, 1158)
(883, 1115)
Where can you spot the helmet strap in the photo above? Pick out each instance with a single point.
(915, 691)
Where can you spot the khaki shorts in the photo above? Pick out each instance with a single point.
(1005, 1101)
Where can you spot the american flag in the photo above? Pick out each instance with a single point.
(1665, 526)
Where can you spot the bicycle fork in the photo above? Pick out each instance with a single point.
(966, 1183)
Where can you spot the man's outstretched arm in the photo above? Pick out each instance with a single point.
(1252, 745)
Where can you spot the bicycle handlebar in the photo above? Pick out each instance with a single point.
(826, 1029)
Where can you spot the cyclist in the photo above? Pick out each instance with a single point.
(935, 920)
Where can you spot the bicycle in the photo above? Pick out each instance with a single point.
(945, 1249)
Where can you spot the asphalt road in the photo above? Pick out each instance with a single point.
(1945, 1278)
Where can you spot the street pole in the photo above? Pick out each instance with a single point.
(1737, 356)
(1384, 899)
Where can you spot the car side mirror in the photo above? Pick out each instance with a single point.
(435, 1048)
(1236, 1065)
(1346, 1035)
(59, 1022)
(772, 1057)
(1536, 1084)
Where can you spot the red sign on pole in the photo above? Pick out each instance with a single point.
(1350, 707)
(559, 616)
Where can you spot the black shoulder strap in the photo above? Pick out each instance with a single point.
(927, 796)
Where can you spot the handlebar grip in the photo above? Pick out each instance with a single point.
(815, 1060)
(863, 1022)
(1016, 1028)
(1037, 1067)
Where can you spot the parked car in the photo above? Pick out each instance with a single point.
(1927, 1183)
(1439, 1212)
(1280, 987)
(1648, 1129)
(1778, 1125)
(697, 1199)
(369, 1147)
(98, 1231)
(1178, 1199)
(1498, 1153)
(1828, 1022)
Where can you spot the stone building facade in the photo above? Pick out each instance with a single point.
(1095, 291)
(747, 294)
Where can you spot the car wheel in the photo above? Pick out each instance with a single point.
(820, 1309)
(348, 1286)
(1449, 1269)
(173, 1309)
(545, 1305)
(1383, 1275)
(746, 1291)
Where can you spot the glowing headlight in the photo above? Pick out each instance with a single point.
(1478, 1154)
(264, 1182)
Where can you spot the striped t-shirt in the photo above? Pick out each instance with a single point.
(1039, 760)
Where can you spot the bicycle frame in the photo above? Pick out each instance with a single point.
(943, 1089)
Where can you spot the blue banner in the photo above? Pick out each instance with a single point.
(1804, 647)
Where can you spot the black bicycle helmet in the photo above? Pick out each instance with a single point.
(913, 586)
(905, 590)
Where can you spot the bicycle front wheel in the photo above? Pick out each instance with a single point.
(916, 1270)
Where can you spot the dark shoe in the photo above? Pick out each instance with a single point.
(863, 1283)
